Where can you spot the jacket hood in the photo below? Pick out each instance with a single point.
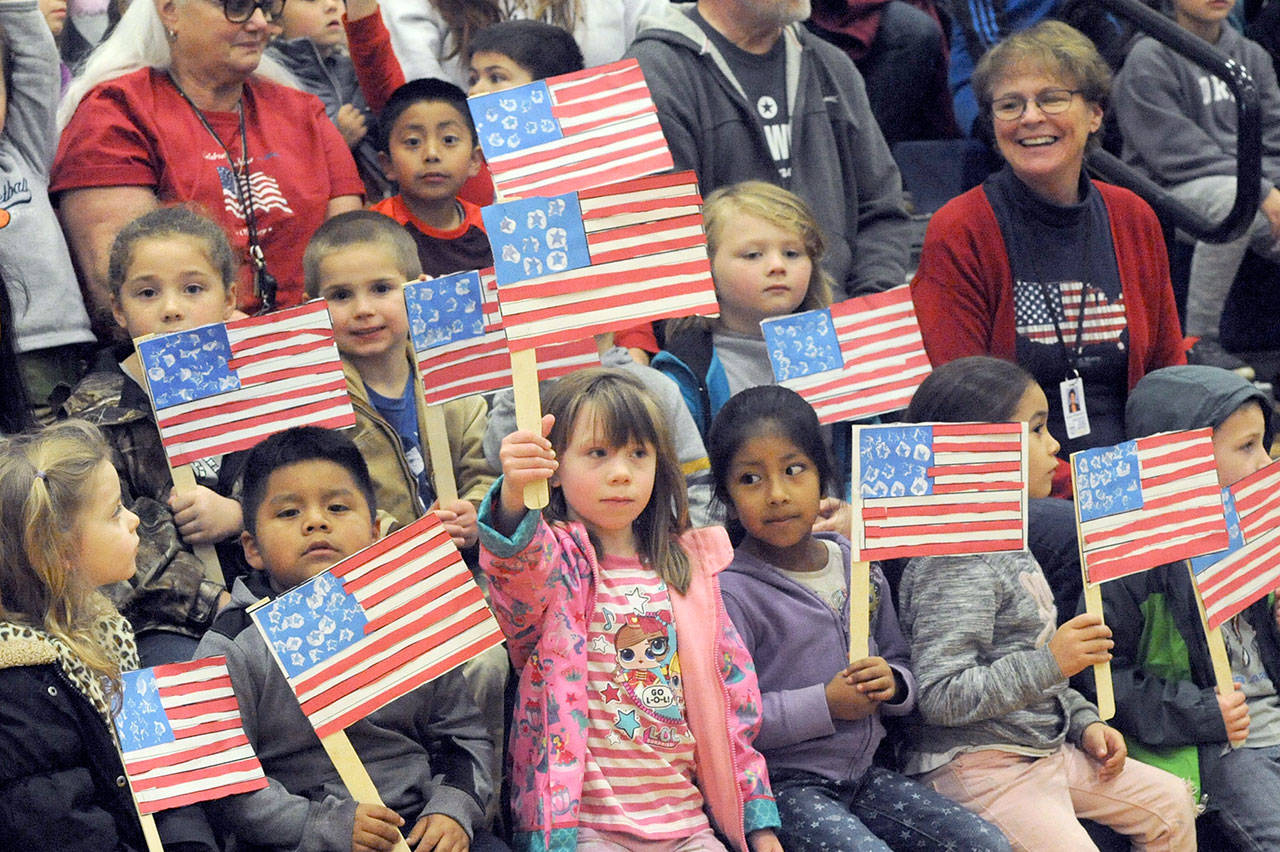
(1190, 397)
(752, 566)
(673, 26)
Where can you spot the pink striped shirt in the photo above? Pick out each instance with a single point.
(639, 766)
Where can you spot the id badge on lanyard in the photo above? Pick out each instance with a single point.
(1074, 412)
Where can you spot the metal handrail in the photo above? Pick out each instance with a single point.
(1248, 133)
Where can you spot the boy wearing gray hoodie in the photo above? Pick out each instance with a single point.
(1166, 703)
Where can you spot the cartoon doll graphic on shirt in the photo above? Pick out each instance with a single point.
(648, 668)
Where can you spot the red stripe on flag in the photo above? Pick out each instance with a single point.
(398, 689)
(202, 796)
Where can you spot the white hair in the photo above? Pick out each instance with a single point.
(138, 41)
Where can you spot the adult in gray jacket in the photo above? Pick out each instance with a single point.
(1179, 126)
(744, 93)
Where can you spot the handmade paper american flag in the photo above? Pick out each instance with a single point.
(571, 132)
(181, 737)
(377, 625)
(266, 193)
(937, 489)
(1232, 579)
(1147, 502)
(465, 362)
(600, 260)
(224, 387)
(858, 358)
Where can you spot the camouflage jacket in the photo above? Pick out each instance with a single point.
(169, 591)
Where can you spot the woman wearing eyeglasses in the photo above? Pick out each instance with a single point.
(176, 107)
(1040, 265)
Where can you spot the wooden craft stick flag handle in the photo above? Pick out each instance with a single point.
(859, 611)
(524, 384)
(441, 456)
(184, 479)
(150, 833)
(1217, 648)
(354, 775)
(1101, 671)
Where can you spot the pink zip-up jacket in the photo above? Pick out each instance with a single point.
(543, 583)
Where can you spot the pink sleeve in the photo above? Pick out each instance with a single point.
(377, 69)
(745, 714)
(524, 584)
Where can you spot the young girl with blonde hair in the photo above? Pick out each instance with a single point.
(63, 534)
(766, 250)
(621, 739)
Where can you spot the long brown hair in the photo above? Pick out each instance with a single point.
(44, 481)
(465, 17)
(623, 412)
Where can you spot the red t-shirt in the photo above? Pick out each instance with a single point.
(136, 130)
(442, 252)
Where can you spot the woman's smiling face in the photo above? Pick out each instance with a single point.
(1046, 152)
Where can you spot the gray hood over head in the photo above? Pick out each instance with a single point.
(1189, 397)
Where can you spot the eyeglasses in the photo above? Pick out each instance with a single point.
(240, 11)
(1049, 102)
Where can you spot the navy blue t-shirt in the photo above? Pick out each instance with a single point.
(402, 414)
(1062, 258)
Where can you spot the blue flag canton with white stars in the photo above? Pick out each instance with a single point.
(514, 119)
(1108, 480)
(312, 622)
(1234, 535)
(445, 309)
(802, 344)
(895, 461)
(532, 237)
(188, 365)
(141, 722)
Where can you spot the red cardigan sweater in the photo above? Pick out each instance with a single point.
(963, 288)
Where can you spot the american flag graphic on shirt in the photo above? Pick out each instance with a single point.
(1232, 579)
(1104, 321)
(266, 193)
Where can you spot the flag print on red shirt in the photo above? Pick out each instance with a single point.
(639, 774)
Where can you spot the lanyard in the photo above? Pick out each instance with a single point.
(1068, 355)
(264, 284)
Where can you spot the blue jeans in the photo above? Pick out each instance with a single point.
(880, 811)
(1244, 784)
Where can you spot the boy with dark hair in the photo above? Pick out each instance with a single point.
(308, 504)
(1166, 702)
(427, 145)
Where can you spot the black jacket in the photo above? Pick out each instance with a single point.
(61, 782)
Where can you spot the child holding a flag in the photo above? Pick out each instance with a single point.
(1000, 730)
(787, 594)
(308, 504)
(1166, 701)
(638, 702)
(170, 270)
(62, 644)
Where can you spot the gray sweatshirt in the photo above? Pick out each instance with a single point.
(427, 752)
(979, 628)
(47, 306)
(1179, 121)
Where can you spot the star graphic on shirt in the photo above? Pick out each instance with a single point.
(637, 599)
(627, 723)
(601, 645)
(614, 739)
(611, 694)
